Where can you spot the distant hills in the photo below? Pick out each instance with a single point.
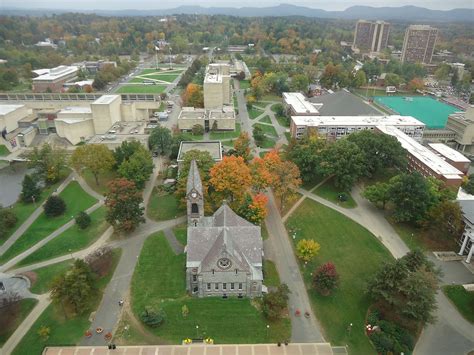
(402, 13)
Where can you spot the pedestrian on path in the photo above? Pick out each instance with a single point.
(120, 303)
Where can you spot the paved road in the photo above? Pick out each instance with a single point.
(303, 330)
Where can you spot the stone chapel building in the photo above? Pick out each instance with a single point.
(224, 251)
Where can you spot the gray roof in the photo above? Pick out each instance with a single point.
(343, 103)
(224, 232)
(194, 179)
(467, 207)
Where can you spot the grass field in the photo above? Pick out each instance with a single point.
(23, 210)
(268, 143)
(46, 274)
(271, 277)
(265, 119)
(64, 331)
(254, 113)
(244, 84)
(191, 137)
(141, 89)
(226, 135)
(331, 193)
(104, 179)
(181, 233)
(3, 150)
(356, 254)
(76, 200)
(270, 97)
(267, 129)
(462, 299)
(162, 207)
(13, 316)
(283, 121)
(246, 325)
(71, 240)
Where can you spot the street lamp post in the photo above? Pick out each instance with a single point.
(197, 331)
(268, 329)
(170, 57)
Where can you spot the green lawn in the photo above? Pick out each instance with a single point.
(24, 210)
(462, 299)
(104, 179)
(267, 129)
(254, 113)
(76, 200)
(71, 240)
(229, 143)
(283, 120)
(244, 84)
(246, 325)
(181, 233)
(356, 254)
(168, 77)
(331, 193)
(64, 331)
(141, 89)
(271, 277)
(268, 143)
(13, 316)
(162, 207)
(271, 97)
(191, 137)
(46, 274)
(265, 119)
(3, 150)
(226, 134)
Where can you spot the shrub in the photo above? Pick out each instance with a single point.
(197, 130)
(83, 220)
(326, 278)
(54, 206)
(153, 318)
(7, 219)
(275, 302)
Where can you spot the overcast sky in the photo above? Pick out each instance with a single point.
(165, 4)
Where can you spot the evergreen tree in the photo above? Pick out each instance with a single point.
(30, 191)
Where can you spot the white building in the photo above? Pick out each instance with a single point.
(10, 115)
(335, 127)
(296, 104)
(217, 92)
(53, 79)
(466, 202)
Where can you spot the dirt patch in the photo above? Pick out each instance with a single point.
(31, 275)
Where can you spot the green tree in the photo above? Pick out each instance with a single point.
(44, 332)
(442, 73)
(445, 220)
(299, 82)
(242, 146)
(345, 161)
(258, 135)
(49, 163)
(125, 150)
(160, 140)
(307, 154)
(137, 168)
(468, 186)
(411, 196)
(153, 318)
(123, 202)
(30, 191)
(275, 302)
(54, 206)
(74, 288)
(7, 221)
(360, 79)
(392, 79)
(97, 158)
(378, 193)
(83, 220)
(380, 151)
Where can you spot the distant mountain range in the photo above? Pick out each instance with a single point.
(402, 13)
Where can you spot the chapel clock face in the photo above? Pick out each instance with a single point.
(224, 263)
(194, 194)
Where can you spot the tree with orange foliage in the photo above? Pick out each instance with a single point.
(231, 177)
(416, 84)
(261, 177)
(285, 176)
(242, 146)
(254, 208)
(193, 96)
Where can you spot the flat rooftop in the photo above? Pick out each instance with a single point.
(191, 113)
(213, 147)
(299, 103)
(76, 109)
(201, 349)
(449, 153)
(222, 114)
(392, 120)
(422, 153)
(343, 103)
(6, 109)
(55, 73)
(106, 99)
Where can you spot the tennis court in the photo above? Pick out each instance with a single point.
(431, 112)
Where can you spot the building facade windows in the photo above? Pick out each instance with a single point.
(208, 286)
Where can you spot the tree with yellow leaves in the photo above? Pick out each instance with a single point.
(307, 249)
